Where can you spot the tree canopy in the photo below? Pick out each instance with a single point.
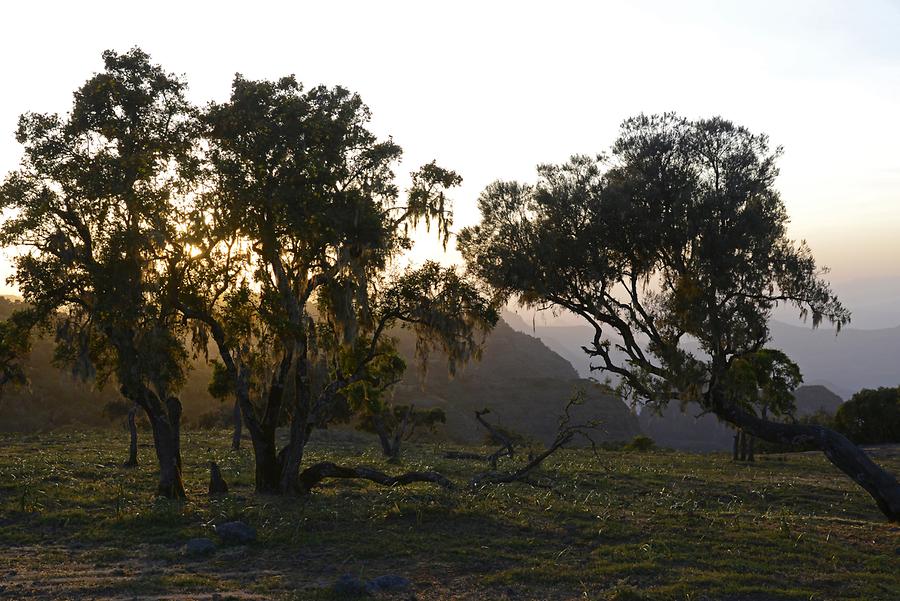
(291, 264)
(674, 248)
(95, 205)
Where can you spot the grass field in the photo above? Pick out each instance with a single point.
(618, 526)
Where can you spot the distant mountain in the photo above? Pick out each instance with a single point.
(851, 360)
(815, 398)
(690, 430)
(844, 363)
(524, 383)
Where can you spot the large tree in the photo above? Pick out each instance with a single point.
(291, 263)
(94, 206)
(674, 249)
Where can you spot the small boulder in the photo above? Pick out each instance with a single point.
(389, 583)
(236, 533)
(348, 584)
(198, 546)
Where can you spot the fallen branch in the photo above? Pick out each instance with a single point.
(498, 437)
(315, 474)
(564, 435)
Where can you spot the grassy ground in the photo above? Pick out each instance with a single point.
(618, 526)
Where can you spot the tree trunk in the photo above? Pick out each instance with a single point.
(743, 453)
(845, 455)
(387, 448)
(167, 453)
(737, 442)
(750, 443)
(238, 423)
(314, 474)
(132, 445)
(268, 468)
(165, 422)
(292, 457)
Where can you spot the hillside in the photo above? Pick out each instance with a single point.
(844, 363)
(524, 383)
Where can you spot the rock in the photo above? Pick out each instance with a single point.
(389, 583)
(348, 584)
(198, 546)
(236, 533)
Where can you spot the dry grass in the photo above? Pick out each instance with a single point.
(661, 525)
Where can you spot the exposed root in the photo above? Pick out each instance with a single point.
(315, 474)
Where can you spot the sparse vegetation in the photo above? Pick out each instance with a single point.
(652, 526)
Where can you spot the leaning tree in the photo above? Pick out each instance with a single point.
(674, 249)
(94, 206)
(291, 267)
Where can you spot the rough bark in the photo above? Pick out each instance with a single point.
(845, 455)
(267, 465)
(133, 438)
(166, 427)
(315, 474)
(387, 449)
(170, 484)
(292, 456)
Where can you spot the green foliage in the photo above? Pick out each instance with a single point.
(393, 416)
(94, 205)
(291, 260)
(679, 234)
(764, 379)
(15, 343)
(640, 444)
(871, 416)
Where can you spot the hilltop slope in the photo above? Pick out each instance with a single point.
(525, 384)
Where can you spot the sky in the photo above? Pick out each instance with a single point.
(491, 89)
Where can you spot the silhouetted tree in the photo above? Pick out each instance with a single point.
(395, 424)
(679, 234)
(94, 204)
(293, 270)
(222, 388)
(762, 383)
(15, 343)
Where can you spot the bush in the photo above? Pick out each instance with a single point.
(871, 416)
(214, 420)
(640, 444)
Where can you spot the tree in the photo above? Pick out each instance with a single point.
(220, 387)
(395, 424)
(94, 204)
(764, 380)
(871, 416)
(119, 409)
(676, 241)
(15, 343)
(292, 270)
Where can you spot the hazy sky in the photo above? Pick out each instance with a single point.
(493, 88)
